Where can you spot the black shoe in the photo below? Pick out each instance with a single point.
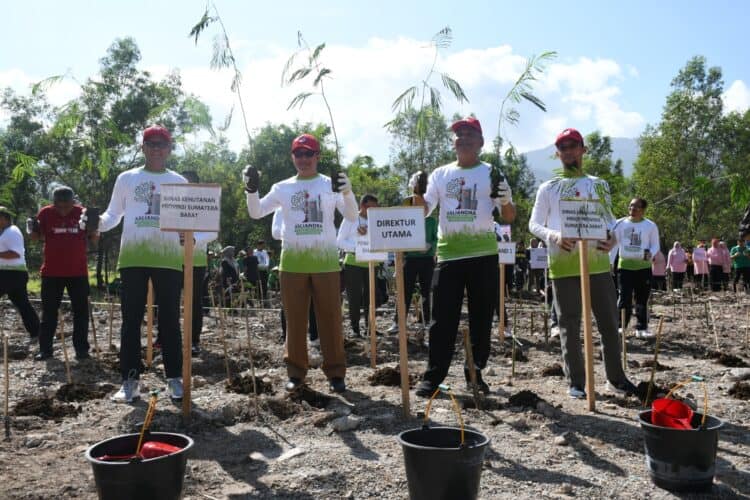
(481, 384)
(42, 355)
(195, 350)
(80, 356)
(293, 384)
(624, 387)
(337, 385)
(425, 389)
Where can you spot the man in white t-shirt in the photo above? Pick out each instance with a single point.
(466, 252)
(637, 246)
(564, 267)
(309, 265)
(146, 253)
(13, 272)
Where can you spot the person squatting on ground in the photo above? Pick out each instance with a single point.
(419, 265)
(564, 267)
(309, 258)
(637, 243)
(356, 273)
(13, 272)
(64, 266)
(677, 263)
(467, 191)
(146, 253)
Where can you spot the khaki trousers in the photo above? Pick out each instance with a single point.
(324, 289)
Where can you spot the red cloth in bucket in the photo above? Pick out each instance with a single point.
(153, 449)
(671, 413)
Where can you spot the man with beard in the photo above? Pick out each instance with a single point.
(564, 267)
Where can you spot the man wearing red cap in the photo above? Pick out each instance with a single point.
(564, 267)
(146, 253)
(309, 264)
(467, 192)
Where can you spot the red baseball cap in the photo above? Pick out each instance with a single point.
(469, 121)
(306, 141)
(569, 134)
(156, 131)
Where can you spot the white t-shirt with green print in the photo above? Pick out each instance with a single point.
(465, 226)
(135, 200)
(308, 236)
(545, 221)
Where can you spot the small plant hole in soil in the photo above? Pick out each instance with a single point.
(82, 392)
(244, 385)
(389, 376)
(740, 390)
(45, 408)
(524, 399)
(553, 370)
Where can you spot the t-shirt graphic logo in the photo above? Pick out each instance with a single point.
(466, 196)
(146, 193)
(302, 201)
(635, 238)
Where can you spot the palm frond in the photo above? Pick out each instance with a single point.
(227, 121)
(406, 99)
(43, 85)
(443, 38)
(298, 100)
(323, 72)
(317, 52)
(454, 87)
(201, 25)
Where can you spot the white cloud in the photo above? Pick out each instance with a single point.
(366, 79)
(736, 97)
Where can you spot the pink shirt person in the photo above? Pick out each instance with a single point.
(700, 260)
(659, 264)
(677, 259)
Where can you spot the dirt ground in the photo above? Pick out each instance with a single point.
(543, 444)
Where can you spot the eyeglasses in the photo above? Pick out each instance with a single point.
(568, 147)
(158, 144)
(304, 153)
(633, 205)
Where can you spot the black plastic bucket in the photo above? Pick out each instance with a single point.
(438, 467)
(681, 459)
(155, 478)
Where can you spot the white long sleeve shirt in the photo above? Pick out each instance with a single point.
(135, 200)
(545, 223)
(633, 239)
(308, 235)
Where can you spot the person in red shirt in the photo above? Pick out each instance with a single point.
(64, 267)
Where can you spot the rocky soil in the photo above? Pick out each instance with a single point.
(313, 444)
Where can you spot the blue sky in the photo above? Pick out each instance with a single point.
(615, 59)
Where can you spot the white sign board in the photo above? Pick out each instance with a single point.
(396, 229)
(506, 252)
(190, 207)
(502, 232)
(583, 220)
(362, 251)
(538, 258)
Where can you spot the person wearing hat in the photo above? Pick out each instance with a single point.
(564, 267)
(64, 266)
(146, 253)
(309, 264)
(13, 272)
(467, 192)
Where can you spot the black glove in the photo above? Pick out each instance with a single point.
(252, 179)
(92, 220)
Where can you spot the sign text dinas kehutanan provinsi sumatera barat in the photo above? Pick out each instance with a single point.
(583, 219)
(190, 207)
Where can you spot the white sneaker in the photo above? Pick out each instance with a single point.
(315, 344)
(554, 332)
(619, 330)
(644, 334)
(393, 328)
(175, 388)
(576, 392)
(128, 392)
(508, 333)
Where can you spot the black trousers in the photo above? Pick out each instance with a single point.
(638, 283)
(357, 293)
(677, 279)
(743, 272)
(418, 268)
(167, 285)
(479, 277)
(263, 282)
(52, 292)
(200, 290)
(13, 283)
(716, 277)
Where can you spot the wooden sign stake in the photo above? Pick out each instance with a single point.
(93, 329)
(402, 343)
(187, 326)
(587, 338)
(501, 305)
(373, 326)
